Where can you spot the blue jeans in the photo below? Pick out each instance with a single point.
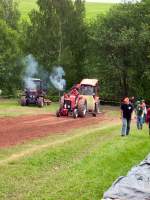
(144, 118)
(125, 126)
(139, 122)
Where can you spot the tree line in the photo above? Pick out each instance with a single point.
(115, 47)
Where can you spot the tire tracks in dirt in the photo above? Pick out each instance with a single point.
(38, 148)
(18, 130)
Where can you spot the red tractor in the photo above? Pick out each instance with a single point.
(82, 99)
(34, 94)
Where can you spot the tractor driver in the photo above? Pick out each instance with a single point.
(74, 92)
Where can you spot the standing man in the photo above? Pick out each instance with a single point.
(139, 115)
(144, 110)
(126, 113)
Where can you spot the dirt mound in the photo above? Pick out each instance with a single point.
(20, 129)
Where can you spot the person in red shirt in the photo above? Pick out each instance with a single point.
(148, 118)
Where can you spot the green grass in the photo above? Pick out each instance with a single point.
(80, 168)
(12, 107)
(81, 164)
(92, 9)
(25, 6)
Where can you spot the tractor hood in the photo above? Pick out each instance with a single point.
(91, 82)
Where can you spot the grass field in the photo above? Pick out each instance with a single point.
(13, 108)
(92, 9)
(25, 6)
(80, 165)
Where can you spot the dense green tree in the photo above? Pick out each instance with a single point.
(9, 13)
(120, 43)
(9, 59)
(10, 68)
(115, 48)
(57, 36)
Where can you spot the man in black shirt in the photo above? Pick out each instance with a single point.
(126, 111)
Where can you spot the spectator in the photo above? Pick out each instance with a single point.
(139, 115)
(126, 111)
(144, 110)
(132, 100)
(148, 118)
(136, 104)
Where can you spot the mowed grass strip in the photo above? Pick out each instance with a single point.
(12, 108)
(82, 168)
(25, 6)
(92, 9)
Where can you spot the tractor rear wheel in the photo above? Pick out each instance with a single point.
(23, 101)
(82, 108)
(40, 102)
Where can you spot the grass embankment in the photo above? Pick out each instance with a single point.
(81, 167)
(25, 6)
(92, 9)
(12, 108)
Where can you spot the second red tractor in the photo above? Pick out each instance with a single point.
(82, 99)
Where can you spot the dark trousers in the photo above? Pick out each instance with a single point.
(128, 126)
(139, 122)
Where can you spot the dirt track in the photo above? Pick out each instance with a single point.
(20, 129)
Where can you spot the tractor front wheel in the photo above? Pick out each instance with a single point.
(82, 108)
(58, 113)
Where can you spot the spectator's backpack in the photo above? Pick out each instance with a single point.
(139, 110)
